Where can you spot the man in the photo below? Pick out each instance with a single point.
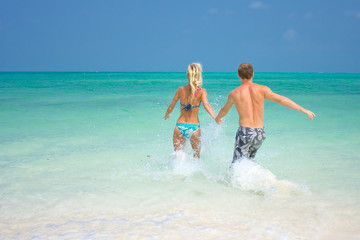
(249, 101)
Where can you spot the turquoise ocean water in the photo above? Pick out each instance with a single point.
(88, 156)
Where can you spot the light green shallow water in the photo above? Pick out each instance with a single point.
(88, 156)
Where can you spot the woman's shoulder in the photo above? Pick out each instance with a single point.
(199, 93)
(202, 90)
(180, 89)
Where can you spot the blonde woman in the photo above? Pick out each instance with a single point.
(191, 96)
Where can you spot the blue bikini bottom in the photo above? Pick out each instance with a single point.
(187, 129)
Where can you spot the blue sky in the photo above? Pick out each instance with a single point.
(166, 35)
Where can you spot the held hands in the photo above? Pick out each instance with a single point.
(218, 120)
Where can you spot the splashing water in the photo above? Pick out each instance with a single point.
(183, 164)
(249, 175)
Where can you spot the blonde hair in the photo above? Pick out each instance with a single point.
(195, 79)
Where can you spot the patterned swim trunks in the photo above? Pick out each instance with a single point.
(247, 142)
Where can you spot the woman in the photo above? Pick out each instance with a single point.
(191, 96)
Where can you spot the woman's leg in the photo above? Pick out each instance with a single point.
(178, 140)
(196, 142)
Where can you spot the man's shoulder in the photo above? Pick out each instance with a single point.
(259, 85)
(234, 91)
(262, 87)
(258, 88)
(241, 88)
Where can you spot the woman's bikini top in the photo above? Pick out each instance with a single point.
(189, 106)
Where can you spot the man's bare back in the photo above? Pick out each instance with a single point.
(249, 99)
(249, 102)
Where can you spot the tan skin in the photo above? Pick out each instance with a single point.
(249, 101)
(189, 117)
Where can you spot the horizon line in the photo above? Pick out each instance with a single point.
(78, 71)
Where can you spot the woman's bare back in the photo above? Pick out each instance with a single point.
(189, 116)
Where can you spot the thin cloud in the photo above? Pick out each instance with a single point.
(229, 12)
(308, 15)
(257, 5)
(352, 14)
(291, 15)
(289, 34)
(213, 11)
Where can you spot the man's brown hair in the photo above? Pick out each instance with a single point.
(245, 71)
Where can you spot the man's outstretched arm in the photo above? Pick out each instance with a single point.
(225, 109)
(270, 95)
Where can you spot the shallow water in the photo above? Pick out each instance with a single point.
(88, 156)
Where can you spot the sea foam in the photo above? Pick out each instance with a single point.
(249, 175)
(182, 163)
